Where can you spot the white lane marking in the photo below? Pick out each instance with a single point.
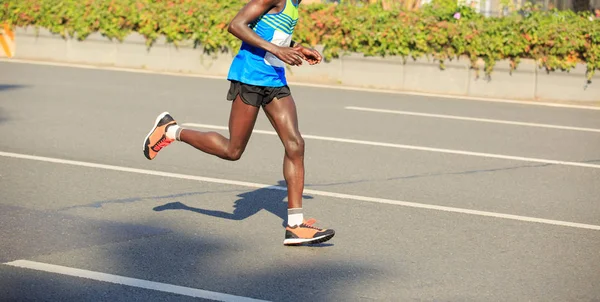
(314, 192)
(324, 86)
(420, 148)
(464, 118)
(163, 287)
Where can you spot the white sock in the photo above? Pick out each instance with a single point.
(172, 132)
(295, 217)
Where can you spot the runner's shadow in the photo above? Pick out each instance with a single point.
(271, 199)
(10, 86)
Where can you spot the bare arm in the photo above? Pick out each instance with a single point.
(250, 12)
(312, 56)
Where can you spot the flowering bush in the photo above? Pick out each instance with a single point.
(557, 40)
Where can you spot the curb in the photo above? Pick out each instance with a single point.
(527, 83)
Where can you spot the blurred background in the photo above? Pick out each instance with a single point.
(485, 7)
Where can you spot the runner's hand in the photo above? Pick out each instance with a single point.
(310, 55)
(289, 55)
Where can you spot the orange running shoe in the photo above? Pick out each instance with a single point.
(157, 138)
(306, 233)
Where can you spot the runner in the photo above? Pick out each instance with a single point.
(257, 77)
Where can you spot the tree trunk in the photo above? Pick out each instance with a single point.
(581, 5)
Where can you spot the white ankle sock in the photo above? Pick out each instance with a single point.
(172, 132)
(295, 217)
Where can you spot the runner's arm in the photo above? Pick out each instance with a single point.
(250, 12)
(312, 56)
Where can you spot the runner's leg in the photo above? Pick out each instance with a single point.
(283, 116)
(241, 122)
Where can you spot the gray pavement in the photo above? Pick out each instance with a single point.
(227, 238)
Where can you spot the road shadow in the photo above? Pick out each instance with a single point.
(271, 199)
(3, 116)
(55, 231)
(202, 261)
(103, 203)
(4, 87)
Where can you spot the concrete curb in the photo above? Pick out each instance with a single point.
(528, 82)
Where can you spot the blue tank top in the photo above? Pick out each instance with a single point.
(255, 66)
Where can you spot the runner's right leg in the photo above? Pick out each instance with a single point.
(241, 122)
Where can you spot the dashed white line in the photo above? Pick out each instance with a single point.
(140, 283)
(413, 147)
(313, 192)
(464, 118)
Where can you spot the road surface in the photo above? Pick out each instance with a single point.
(432, 199)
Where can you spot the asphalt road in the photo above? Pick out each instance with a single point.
(426, 208)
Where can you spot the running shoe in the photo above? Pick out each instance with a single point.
(157, 138)
(306, 233)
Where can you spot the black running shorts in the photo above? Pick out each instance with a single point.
(256, 95)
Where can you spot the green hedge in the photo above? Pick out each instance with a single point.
(557, 40)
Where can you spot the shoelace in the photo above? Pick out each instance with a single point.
(309, 224)
(163, 142)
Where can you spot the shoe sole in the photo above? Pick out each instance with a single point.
(300, 241)
(147, 139)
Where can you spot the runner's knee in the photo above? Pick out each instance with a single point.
(233, 154)
(294, 146)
